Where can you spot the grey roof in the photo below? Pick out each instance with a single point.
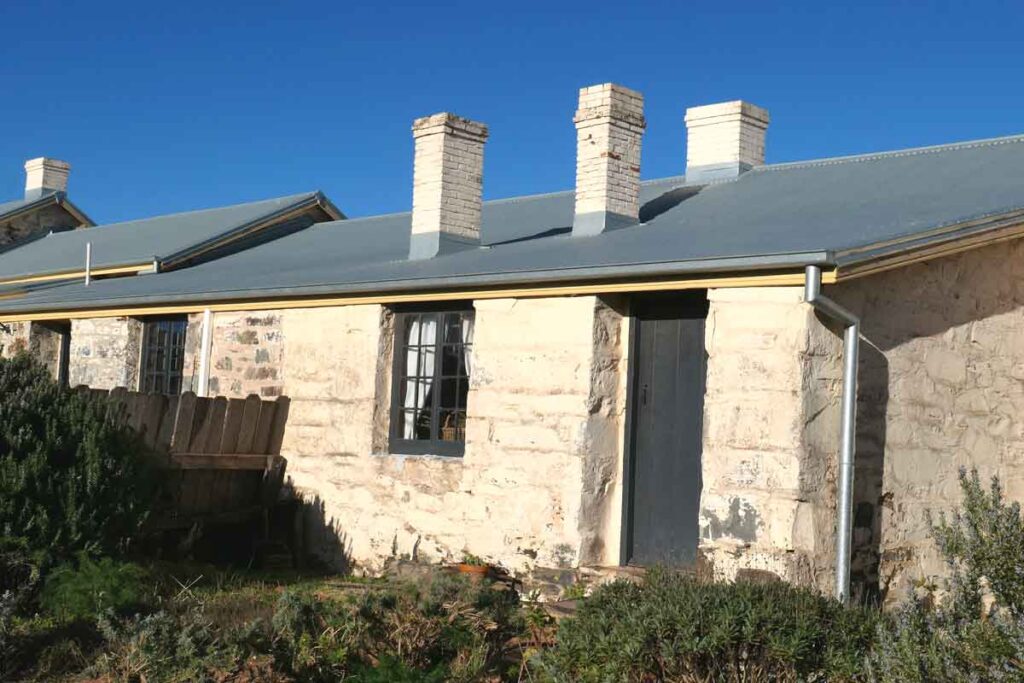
(141, 241)
(829, 212)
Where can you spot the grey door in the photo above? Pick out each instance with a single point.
(666, 416)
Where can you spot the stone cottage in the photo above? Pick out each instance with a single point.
(758, 368)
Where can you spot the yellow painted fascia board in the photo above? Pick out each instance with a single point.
(133, 269)
(776, 279)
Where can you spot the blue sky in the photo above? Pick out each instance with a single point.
(171, 106)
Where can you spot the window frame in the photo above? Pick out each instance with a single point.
(399, 351)
(149, 326)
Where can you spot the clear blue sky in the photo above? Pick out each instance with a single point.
(170, 106)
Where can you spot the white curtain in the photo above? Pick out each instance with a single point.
(418, 361)
(467, 339)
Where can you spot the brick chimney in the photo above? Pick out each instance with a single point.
(447, 185)
(724, 140)
(609, 126)
(44, 176)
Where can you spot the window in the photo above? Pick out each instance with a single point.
(163, 354)
(433, 361)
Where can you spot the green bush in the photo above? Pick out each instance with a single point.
(960, 636)
(673, 627)
(73, 477)
(91, 587)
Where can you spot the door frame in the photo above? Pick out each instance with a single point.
(690, 301)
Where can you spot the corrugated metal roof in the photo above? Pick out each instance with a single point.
(787, 215)
(139, 241)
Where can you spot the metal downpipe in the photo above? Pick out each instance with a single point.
(848, 429)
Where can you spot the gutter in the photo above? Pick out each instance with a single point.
(848, 426)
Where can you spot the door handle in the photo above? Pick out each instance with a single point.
(643, 395)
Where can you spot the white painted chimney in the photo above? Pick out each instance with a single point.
(44, 176)
(447, 184)
(724, 140)
(609, 126)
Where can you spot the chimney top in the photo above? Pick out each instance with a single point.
(724, 140)
(447, 194)
(609, 126)
(44, 176)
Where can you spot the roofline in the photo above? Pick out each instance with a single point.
(888, 154)
(67, 205)
(57, 198)
(317, 199)
(775, 278)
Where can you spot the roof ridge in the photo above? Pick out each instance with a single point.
(892, 154)
(210, 208)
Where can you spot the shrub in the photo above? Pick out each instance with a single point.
(92, 587)
(72, 475)
(672, 627)
(446, 628)
(961, 638)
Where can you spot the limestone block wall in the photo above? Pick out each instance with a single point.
(941, 386)
(539, 483)
(105, 352)
(769, 437)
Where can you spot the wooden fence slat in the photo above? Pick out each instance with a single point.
(218, 411)
(240, 487)
(183, 422)
(200, 425)
(155, 414)
(264, 426)
(135, 405)
(229, 444)
(283, 404)
(163, 439)
(232, 423)
(250, 417)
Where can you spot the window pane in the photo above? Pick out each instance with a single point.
(426, 364)
(449, 392)
(451, 360)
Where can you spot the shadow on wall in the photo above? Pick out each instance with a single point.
(318, 540)
(869, 472)
(936, 370)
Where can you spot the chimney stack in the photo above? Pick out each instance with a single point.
(44, 176)
(724, 140)
(609, 126)
(447, 185)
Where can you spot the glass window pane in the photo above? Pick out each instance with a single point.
(428, 335)
(449, 392)
(426, 364)
(451, 360)
(453, 329)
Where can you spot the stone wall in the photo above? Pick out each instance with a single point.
(941, 386)
(105, 352)
(769, 438)
(36, 224)
(14, 337)
(539, 483)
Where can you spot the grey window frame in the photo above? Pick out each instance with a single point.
(163, 377)
(435, 445)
